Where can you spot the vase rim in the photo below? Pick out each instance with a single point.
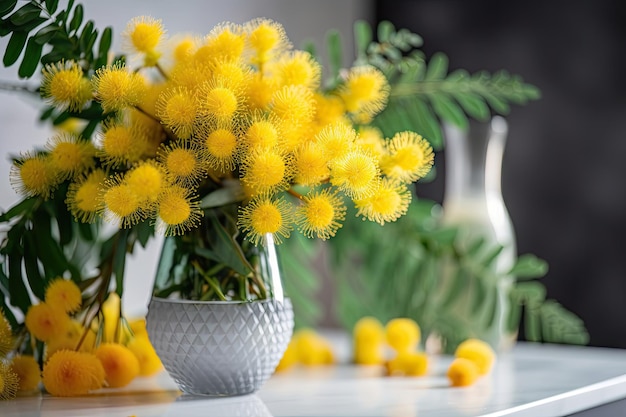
(215, 302)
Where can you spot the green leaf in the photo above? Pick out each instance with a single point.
(385, 29)
(6, 6)
(14, 48)
(362, 37)
(19, 209)
(33, 275)
(448, 110)
(437, 67)
(51, 6)
(230, 193)
(88, 37)
(165, 263)
(25, 14)
(17, 289)
(529, 266)
(77, 19)
(473, 105)
(333, 42)
(105, 41)
(31, 58)
(46, 33)
(119, 260)
(226, 248)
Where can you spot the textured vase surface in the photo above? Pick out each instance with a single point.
(219, 348)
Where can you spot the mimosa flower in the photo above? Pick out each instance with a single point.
(321, 214)
(70, 155)
(84, 197)
(119, 363)
(116, 88)
(182, 162)
(371, 140)
(219, 101)
(336, 140)
(259, 91)
(231, 74)
(311, 166)
(478, 352)
(64, 86)
(329, 109)
(34, 175)
(64, 294)
(69, 373)
(143, 34)
(263, 134)
(262, 215)
(297, 68)
(178, 212)
(313, 349)
(293, 104)
(388, 203)
(120, 144)
(121, 204)
(403, 334)
(408, 364)
(410, 157)
(356, 173)
(9, 382)
(289, 358)
(267, 39)
(6, 335)
(368, 331)
(294, 134)
(221, 148)
(266, 170)
(190, 75)
(149, 362)
(27, 370)
(69, 339)
(179, 110)
(462, 372)
(146, 180)
(225, 42)
(365, 90)
(183, 47)
(44, 321)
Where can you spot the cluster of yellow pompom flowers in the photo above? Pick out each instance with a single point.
(76, 359)
(239, 105)
(308, 348)
(472, 357)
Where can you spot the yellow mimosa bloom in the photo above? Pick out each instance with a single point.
(403, 334)
(122, 204)
(84, 197)
(293, 104)
(69, 339)
(462, 372)
(262, 134)
(120, 144)
(27, 370)
(262, 215)
(190, 75)
(44, 321)
(259, 91)
(6, 335)
(478, 352)
(177, 211)
(329, 109)
(368, 331)
(321, 214)
(116, 88)
(182, 162)
(119, 363)
(267, 38)
(143, 34)
(371, 140)
(266, 170)
(387, 203)
(336, 140)
(183, 47)
(297, 68)
(365, 90)
(34, 175)
(221, 147)
(356, 173)
(408, 364)
(63, 84)
(410, 157)
(149, 362)
(64, 294)
(69, 373)
(225, 42)
(179, 110)
(219, 101)
(311, 164)
(70, 155)
(231, 74)
(146, 180)
(289, 358)
(9, 382)
(313, 349)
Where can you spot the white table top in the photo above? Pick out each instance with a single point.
(532, 380)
